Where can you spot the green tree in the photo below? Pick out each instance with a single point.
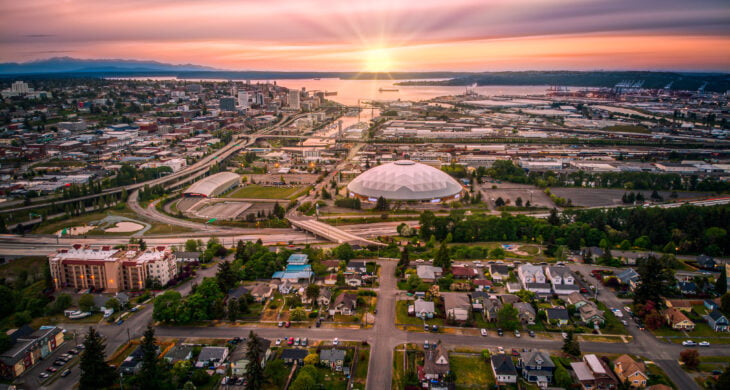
(86, 302)
(655, 281)
(554, 218)
(113, 303)
(725, 303)
(95, 372)
(404, 262)
(443, 259)
(167, 306)
(571, 347)
(344, 252)
(7, 301)
(382, 204)
(562, 377)
(312, 293)
(62, 302)
(690, 358)
(723, 381)
(303, 381)
(153, 374)
(233, 309)
(312, 359)
(254, 371)
(191, 245)
(298, 314)
(276, 372)
(225, 276)
(5, 342)
(507, 317)
(721, 283)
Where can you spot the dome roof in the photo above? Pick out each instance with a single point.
(405, 180)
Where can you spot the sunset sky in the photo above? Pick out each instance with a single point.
(376, 35)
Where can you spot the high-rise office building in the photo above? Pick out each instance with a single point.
(294, 99)
(243, 100)
(228, 104)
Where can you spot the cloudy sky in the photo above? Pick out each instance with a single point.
(376, 35)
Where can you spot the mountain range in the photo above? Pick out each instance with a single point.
(75, 65)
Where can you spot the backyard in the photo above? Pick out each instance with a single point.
(471, 371)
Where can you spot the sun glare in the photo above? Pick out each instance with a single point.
(378, 60)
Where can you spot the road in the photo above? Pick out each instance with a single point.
(384, 336)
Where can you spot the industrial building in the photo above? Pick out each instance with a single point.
(213, 185)
(405, 180)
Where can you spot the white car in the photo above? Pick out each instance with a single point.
(336, 341)
(704, 344)
(500, 349)
(688, 343)
(278, 341)
(628, 309)
(483, 332)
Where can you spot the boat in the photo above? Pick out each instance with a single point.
(388, 89)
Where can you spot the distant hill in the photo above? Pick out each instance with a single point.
(75, 65)
(716, 82)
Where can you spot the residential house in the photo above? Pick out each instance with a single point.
(429, 273)
(576, 299)
(211, 356)
(706, 262)
(436, 362)
(422, 309)
(490, 308)
(261, 292)
(238, 292)
(558, 315)
(594, 374)
(457, 306)
(504, 369)
(178, 353)
(499, 272)
(353, 280)
(291, 355)
(591, 315)
(536, 367)
(133, 362)
(187, 257)
(510, 298)
(344, 304)
(358, 267)
(562, 280)
(711, 305)
(332, 265)
(592, 252)
(330, 280)
(525, 312)
(679, 304)
(717, 321)
(533, 278)
(678, 320)
(628, 277)
(482, 284)
(239, 359)
(627, 369)
(325, 295)
(464, 272)
(28, 347)
(687, 288)
(333, 357)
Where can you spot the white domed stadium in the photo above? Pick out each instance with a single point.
(405, 180)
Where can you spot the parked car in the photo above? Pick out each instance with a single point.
(628, 309)
(336, 341)
(120, 322)
(73, 351)
(426, 345)
(66, 372)
(500, 349)
(565, 335)
(515, 352)
(290, 341)
(280, 324)
(483, 332)
(304, 342)
(296, 342)
(425, 327)
(704, 344)
(43, 375)
(80, 347)
(500, 332)
(517, 333)
(531, 333)
(434, 328)
(688, 343)
(288, 324)
(51, 369)
(278, 341)
(59, 362)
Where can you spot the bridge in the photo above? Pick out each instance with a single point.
(329, 232)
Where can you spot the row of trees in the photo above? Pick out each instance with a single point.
(691, 229)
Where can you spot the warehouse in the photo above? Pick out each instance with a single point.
(213, 185)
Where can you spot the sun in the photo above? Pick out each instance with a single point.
(378, 60)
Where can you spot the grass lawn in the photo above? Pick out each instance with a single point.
(255, 191)
(531, 249)
(702, 330)
(657, 376)
(361, 371)
(471, 372)
(613, 324)
(398, 370)
(402, 317)
(81, 220)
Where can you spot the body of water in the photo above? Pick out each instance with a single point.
(350, 92)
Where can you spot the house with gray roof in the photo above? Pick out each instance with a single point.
(211, 356)
(717, 321)
(536, 367)
(178, 353)
(429, 273)
(525, 312)
(423, 309)
(504, 369)
(333, 357)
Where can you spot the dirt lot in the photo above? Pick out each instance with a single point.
(594, 197)
(511, 191)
